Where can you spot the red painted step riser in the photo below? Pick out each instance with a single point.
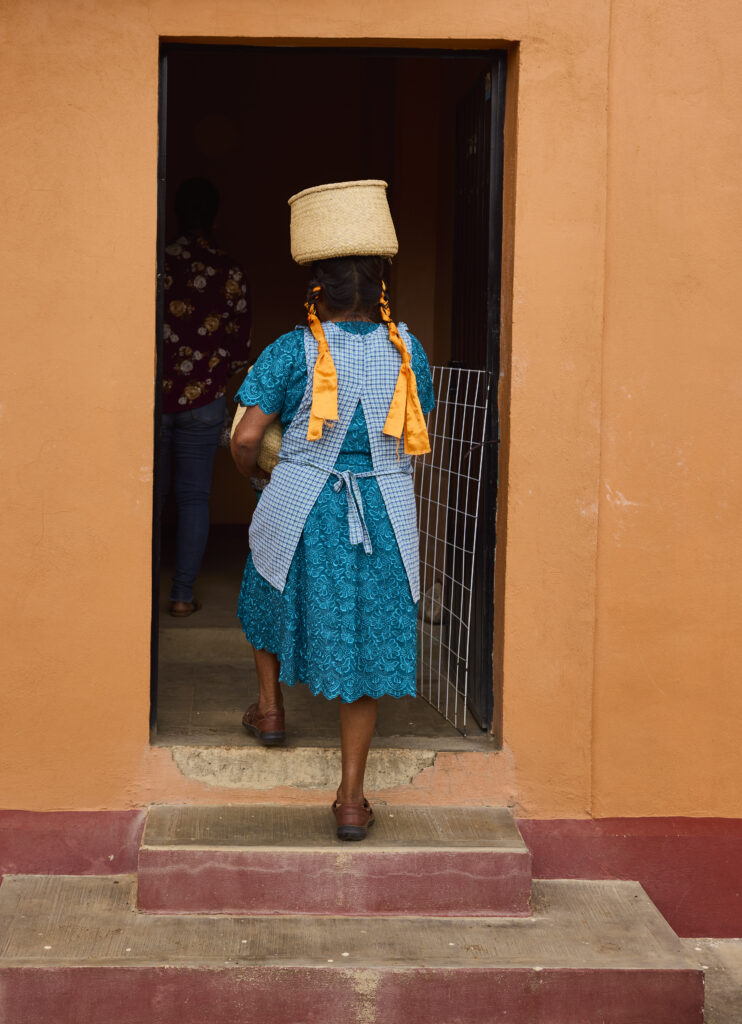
(690, 867)
(300, 995)
(459, 883)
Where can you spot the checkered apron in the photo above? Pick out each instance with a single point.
(367, 369)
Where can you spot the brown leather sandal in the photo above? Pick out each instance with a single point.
(269, 728)
(353, 820)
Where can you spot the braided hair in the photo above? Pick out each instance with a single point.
(354, 285)
(349, 284)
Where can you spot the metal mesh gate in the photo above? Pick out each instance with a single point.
(448, 482)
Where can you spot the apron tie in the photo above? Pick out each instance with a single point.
(357, 528)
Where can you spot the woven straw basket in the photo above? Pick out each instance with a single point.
(269, 446)
(349, 218)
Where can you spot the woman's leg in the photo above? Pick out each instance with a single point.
(266, 665)
(357, 724)
(265, 719)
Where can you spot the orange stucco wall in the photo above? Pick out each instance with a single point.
(620, 588)
(667, 700)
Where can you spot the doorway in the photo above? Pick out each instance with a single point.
(262, 123)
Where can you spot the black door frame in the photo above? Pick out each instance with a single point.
(159, 319)
(482, 660)
(475, 333)
(484, 587)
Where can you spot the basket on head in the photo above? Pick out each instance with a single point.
(348, 218)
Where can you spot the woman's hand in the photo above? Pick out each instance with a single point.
(246, 439)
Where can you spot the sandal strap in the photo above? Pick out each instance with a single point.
(272, 720)
(359, 813)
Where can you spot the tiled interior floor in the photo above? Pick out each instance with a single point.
(207, 677)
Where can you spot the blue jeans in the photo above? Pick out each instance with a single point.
(188, 442)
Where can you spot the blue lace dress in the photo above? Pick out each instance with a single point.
(345, 624)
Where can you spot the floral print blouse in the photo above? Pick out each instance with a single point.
(206, 331)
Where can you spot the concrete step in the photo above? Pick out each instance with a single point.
(75, 950)
(252, 766)
(272, 859)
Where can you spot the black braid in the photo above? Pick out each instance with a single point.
(350, 284)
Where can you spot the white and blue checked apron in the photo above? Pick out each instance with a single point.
(367, 372)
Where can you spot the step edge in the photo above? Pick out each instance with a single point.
(344, 965)
(521, 851)
(156, 809)
(330, 744)
(369, 915)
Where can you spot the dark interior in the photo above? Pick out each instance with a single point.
(263, 124)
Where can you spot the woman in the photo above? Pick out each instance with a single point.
(330, 591)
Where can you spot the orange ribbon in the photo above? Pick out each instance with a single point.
(405, 415)
(324, 380)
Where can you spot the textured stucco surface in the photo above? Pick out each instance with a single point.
(619, 597)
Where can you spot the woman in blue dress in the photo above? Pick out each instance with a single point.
(331, 586)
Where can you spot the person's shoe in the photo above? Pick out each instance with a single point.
(269, 727)
(353, 820)
(182, 609)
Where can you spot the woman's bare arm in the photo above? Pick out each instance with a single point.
(246, 440)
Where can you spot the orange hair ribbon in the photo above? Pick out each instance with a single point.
(405, 414)
(324, 380)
